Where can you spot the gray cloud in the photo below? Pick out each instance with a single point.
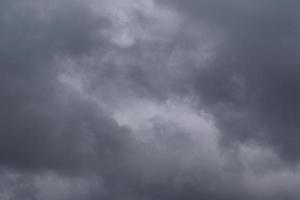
(149, 100)
(252, 84)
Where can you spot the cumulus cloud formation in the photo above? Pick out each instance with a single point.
(149, 99)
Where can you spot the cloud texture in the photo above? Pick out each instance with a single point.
(149, 99)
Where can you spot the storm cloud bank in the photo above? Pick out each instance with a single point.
(149, 100)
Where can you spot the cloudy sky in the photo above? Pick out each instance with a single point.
(149, 100)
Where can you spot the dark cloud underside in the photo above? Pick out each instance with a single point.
(149, 100)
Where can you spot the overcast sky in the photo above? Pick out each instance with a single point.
(149, 99)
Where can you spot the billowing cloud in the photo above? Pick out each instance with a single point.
(252, 85)
(149, 99)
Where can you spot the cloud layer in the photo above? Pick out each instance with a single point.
(149, 99)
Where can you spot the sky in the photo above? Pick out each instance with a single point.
(149, 100)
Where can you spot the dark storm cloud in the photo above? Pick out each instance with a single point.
(253, 84)
(45, 126)
(87, 92)
(42, 125)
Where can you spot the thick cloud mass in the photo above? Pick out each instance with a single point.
(253, 84)
(145, 99)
